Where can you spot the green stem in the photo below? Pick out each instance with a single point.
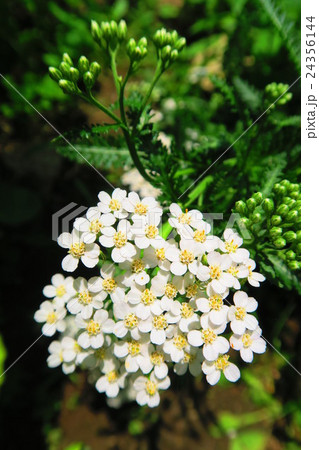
(103, 108)
(158, 72)
(134, 155)
(114, 71)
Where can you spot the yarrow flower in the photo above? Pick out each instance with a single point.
(157, 301)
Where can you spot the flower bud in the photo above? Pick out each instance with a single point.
(180, 44)
(275, 232)
(276, 220)
(88, 79)
(268, 205)
(298, 235)
(294, 265)
(74, 74)
(256, 218)
(174, 36)
(282, 210)
(292, 216)
(114, 28)
(130, 48)
(166, 53)
(95, 31)
(280, 243)
(290, 236)
(295, 195)
(55, 74)
(174, 55)
(251, 204)
(67, 86)
(258, 197)
(240, 207)
(285, 183)
(83, 64)
(142, 42)
(291, 255)
(106, 30)
(121, 30)
(294, 187)
(95, 69)
(66, 58)
(245, 222)
(65, 69)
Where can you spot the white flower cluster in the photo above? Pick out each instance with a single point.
(156, 304)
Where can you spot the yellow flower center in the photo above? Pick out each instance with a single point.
(77, 348)
(159, 322)
(95, 226)
(247, 340)
(134, 348)
(188, 358)
(137, 266)
(191, 291)
(119, 239)
(230, 246)
(112, 376)
(151, 387)
(51, 317)
(60, 290)
(93, 328)
(84, 297)
(250, 272)
(147, 297)
(186, 310)
(185, 218)
(160, 253)
(208, 336)
(130, 321)
(114, 205)
(157, 358)
(77, 250)
(180, 342)
(240, 313)
(200, 236)
(233, 270)
(186, 257)
(151, 231)
(140, 209)
(109, 285)
(215, 272)
(170, 290)
(222, 362)
(216, 302)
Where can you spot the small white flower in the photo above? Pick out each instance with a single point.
(118, 240)
(220, 279)
(147, 207)
(113, 204)
(213, 306)
(135, 271)
(254, 278)
(231, 246)
(60, 290)
(192, 360)
(213, 369)
(249, 343)
(108, 283)
(156, 325)
(167, 288)
(239, 319)
(78, 250)
(147, 389)
(238, 271)
(84, 300)
(155, 255)
(145, 230)
(186, 318)
(62, 352)
(183, 258)
(176, 347)
(53, 316)
(93, 224)
(126, 320)
(157, 358)
(213, 345)
(178, 219)
(95, 358)
(145, 300)
(202, 242)
(94, 328)
(113, 379)
(136, 354)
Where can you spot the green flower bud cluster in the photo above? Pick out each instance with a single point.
(168, 45)
(275, 90)
(136, 51)
(68, 76)
(276, 220)
(109, 34)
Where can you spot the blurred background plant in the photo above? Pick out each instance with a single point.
(240, 57)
